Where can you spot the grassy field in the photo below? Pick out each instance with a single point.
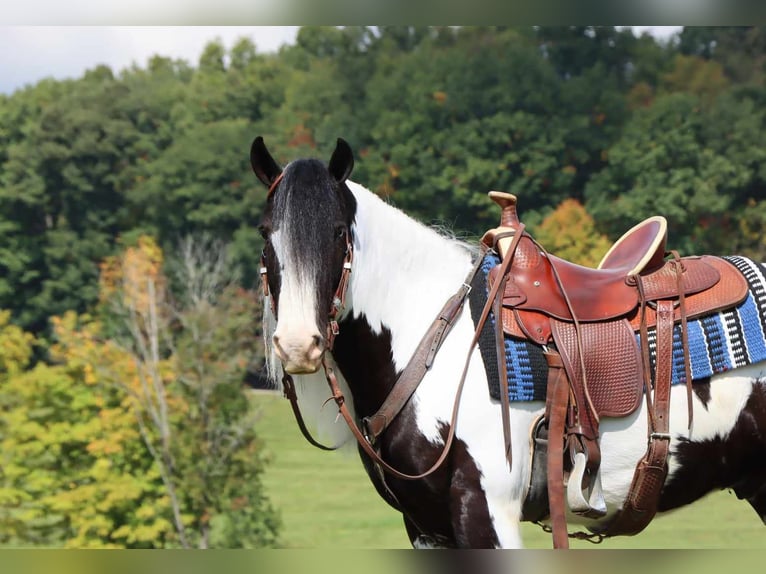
(327, 501)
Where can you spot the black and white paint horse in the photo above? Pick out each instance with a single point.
(402, 274)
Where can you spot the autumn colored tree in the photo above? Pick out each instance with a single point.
(140, 432)
(569, 232)
(191, 347)
(73, 470)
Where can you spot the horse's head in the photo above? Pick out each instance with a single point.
(307, 229)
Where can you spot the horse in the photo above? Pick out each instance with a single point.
(398, 279)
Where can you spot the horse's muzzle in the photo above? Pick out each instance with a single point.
(300, 355)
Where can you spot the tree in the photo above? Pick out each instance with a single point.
(191, 350)
(697, 165)
(60, 206)
(73, 471)
(738, 49)
(569, 232)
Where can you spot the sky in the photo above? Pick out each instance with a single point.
(31, 53)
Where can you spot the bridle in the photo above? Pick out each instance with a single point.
(405, 385)
(407, 382)
(337, 305)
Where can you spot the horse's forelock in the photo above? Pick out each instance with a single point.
(306, 209)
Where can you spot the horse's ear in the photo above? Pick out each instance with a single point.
(263, 164)
(342, 161)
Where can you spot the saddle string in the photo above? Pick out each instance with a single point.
(678, 265)
(496, 302)
(577, 328)
(502, 370)
(646, 364)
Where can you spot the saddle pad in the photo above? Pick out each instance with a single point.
(717, 343)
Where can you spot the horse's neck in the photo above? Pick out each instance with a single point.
(403, 272)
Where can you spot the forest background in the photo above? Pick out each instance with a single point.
(129, 250)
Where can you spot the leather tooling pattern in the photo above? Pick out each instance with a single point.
(717, 343)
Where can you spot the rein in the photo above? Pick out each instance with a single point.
(408, 380)
(337, 305)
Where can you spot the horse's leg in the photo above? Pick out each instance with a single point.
(478, 520)
(422, 541)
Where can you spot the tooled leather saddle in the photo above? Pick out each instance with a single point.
(586, 320)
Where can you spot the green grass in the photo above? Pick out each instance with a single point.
(327, 501)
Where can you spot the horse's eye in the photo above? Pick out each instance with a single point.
(340, 232)
(265, 231)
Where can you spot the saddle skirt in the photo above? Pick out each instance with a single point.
(718, 342)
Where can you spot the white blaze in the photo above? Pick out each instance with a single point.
(297, 340)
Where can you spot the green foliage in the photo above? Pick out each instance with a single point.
(72, 471)
(114, 445)
(695, 167)
(188, 349)
(437, 117)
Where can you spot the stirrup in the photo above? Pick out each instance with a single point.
(595, 505)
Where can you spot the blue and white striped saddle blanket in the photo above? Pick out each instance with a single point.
(717, 343)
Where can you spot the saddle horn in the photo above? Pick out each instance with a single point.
(507, 203)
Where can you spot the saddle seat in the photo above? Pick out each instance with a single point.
(594, 294)
(542, 286)
(641, 249)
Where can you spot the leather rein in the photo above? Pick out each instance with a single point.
(409, 379)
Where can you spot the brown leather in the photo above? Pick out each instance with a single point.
(640, 248)
(640, 506)
(729, 291)
(612, 361)
(592, 316)
(288, 386)
(663, 283)
(505, 407)
(595, 295)
(365, 443)
(337, 304)
(420, 362)
(555, 413)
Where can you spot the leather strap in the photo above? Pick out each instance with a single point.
(421, 360)
(557, 398)
(678, 264)
(643, 497)
(288, 386)
(363, 441)
(340, 400)
(503, 371)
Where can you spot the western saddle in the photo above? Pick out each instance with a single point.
(586, 320)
